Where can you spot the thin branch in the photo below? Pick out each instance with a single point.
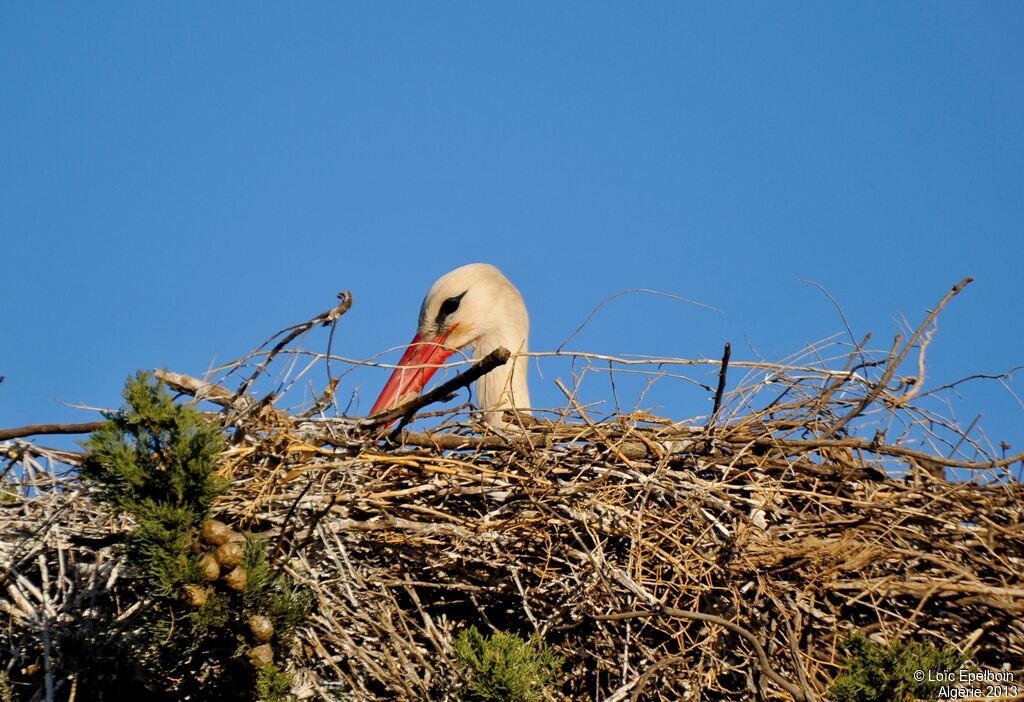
(896, 360)
(877, 390)
(605, 301)
(324, 318)
(762, 657)
(977, 376)
(921, 331)
(835, 303)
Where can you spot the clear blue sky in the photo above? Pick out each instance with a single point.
(180, 180)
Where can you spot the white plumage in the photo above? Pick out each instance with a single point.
(472, 307)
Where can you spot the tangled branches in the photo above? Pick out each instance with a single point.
(720, 559)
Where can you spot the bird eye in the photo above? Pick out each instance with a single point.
(448, 307)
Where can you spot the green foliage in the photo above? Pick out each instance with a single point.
(505, 667)
(885, 672)
(208, 620)
(273, 684)
(159, 545)
(154, 452)
(157, 461)
(273, 594)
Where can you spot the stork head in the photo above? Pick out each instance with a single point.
(472, 307)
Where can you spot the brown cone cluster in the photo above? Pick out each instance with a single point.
(221, 560)
(222, 551)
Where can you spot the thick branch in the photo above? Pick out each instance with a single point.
(200, 389)
(632, 450)
(33, 429)
(485, 365)
(721, 387)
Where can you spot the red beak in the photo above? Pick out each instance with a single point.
(419, 363)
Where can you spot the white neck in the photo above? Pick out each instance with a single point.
(505, 386)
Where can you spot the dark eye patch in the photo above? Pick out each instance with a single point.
(448, 307)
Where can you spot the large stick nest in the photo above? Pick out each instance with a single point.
(720, 559)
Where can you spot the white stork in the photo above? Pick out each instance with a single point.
(475, 307)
